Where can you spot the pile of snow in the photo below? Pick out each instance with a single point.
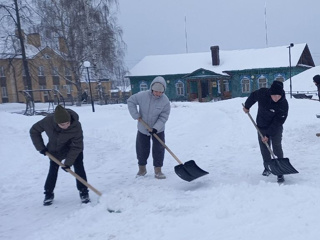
(303, 82)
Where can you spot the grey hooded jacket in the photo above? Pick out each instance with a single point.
(153, 110)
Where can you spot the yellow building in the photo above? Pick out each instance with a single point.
(50, 74)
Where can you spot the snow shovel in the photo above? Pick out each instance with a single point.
(188, 171)
(277, 166)
(84, 182)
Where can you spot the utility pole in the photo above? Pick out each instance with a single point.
(265, 23)
(290, 46)
(185, 32)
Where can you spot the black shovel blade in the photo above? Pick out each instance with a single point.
(189, 171)
(280, 166)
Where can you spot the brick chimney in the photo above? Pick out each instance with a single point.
(17, 33)
(34, 39)
(215, 55)
(62, 45)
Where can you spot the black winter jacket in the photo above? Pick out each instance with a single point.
(271, 115)
(63, 143)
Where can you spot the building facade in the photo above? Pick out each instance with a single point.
(219, 75)
(51, 76)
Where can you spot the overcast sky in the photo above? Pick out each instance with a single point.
(159, 27)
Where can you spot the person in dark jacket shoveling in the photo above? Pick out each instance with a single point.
(272, 113)
(65, 141)
(154, 109)
(316, 81)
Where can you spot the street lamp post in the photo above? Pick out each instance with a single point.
(290, 46)
(86, 64)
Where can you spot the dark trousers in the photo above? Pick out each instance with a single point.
(53, 175)
(275, 142)
(143, 149)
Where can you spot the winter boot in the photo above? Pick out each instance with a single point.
(142, 171)
(158, 174)
(280, 179)
(48, 199)
(84, 196)
(266, 172)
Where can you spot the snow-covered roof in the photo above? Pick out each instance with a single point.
(11, 48)
(271, 57)
(32, 51)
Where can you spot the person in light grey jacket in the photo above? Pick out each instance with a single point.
(154, 109)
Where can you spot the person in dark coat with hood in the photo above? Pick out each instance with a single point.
(273, 110)
(65, 141)
(316, 80)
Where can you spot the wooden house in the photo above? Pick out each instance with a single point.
(220, 74)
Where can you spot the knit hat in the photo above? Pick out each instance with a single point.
(316, 79)
(157, 87)
(276, 88)
(61, 115)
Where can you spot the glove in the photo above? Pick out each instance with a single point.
(43, 151)
(65, 168)
(154, 131)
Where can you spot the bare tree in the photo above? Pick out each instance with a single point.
(12, 12)
(88, 31)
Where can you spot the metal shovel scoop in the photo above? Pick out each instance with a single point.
(277, 166)
(188, 171)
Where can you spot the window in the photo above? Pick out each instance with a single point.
(143, 87)
(55, 71)
(2, 71)
(56, 87)
(262, 82)
(45, 93)
(279, 78)
(68, 88)
(46, 56)
(219, 90)
(3, 82)
(42, 87)
(180, 88)
(55, 80)
(40, 71)
(4, 92)
(67, 72)
(225, 86)
(245, 85)
(42, 80)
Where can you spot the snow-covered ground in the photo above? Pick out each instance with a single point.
(233, 202)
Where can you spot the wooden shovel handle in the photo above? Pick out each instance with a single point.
(254, 123)
(84, 182)
(159, 139)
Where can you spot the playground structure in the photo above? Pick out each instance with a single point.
(54, 97)
(47, 95)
